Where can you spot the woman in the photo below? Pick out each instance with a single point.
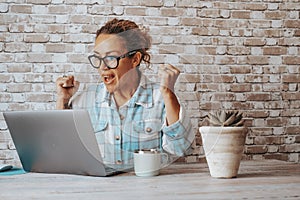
(127, 111)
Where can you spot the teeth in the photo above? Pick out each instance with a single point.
(107, 78)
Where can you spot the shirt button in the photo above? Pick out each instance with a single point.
(148, 129)
(118, 162)
(122, 117)
(117, 137)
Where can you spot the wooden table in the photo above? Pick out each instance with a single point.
(268, 179)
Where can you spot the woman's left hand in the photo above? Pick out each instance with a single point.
(168, 75)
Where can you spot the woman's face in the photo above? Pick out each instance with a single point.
(112, 45)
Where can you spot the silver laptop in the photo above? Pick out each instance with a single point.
(56, 141)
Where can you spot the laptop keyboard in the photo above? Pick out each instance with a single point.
(112, 171)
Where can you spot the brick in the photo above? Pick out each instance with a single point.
(188, 3)
(297, 33)
(258, 149)
(16, 47)
(256, 6)
(39, 2)
(5, 97)
(292, 23)
(239, 32)
(59, 9)
(289, 41)
(291, 78)
(21, 9)
(7, 57)
(257, 79)
(258, 114)
(240, 88)
(240, 14)
(263, 140)
(59, 48)
(238, 51)
(275, 121)
(260, 23)
(275, 15)
(276, 24)
(206, 50)
(297, 139)
(277, 156)
(209, 13)
(79, 38)
(190, 21)
(273, 148)
(294, 157)
(290, 148)
(254, 42)
(188, 96)
(39, 58)
(291, 60)
(291, 130)
(223, 79)
(167, 49)
(271, 87)
(3, 8)
(274, 50)
(209, 106)
(80, 19)
(257, 60)
(240, 106)
(190, 78)
(32, 38)
(18, 106)
(258, 96)
(135, 11)
(13, 68)
(275, 69)
(203, 31)
(38, 78)
(223, 96)
(207, 87)
(273, 33)
(240, 69)
(18, 88)
(153, 3)
(225, 59)
(261, 131)
(36, 97)
(220, 23)
(6, 78)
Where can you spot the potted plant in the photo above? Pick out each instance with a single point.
(223, 142)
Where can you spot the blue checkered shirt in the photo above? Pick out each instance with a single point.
(138, 124)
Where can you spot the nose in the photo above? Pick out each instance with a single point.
(103, 66)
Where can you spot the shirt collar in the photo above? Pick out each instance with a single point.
(143, 95)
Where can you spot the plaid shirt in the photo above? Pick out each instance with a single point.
(138, 124)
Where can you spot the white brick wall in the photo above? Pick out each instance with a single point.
(233, 54)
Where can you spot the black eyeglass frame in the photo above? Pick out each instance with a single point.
(118, 58)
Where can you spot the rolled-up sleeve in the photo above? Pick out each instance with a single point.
(178, 137)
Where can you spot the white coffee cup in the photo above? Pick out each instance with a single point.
(149, 162)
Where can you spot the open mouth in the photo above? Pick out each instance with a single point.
(108, 79)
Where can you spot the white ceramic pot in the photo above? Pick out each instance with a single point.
(223, 147)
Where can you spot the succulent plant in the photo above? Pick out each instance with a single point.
(226, 118)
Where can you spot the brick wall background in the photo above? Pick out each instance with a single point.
(241, 55)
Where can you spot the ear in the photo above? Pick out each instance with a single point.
(136, 59)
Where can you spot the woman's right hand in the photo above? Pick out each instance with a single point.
(66, 87)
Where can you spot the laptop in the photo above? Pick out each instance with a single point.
(57, 141)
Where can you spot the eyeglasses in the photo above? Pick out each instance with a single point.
(111, 62)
